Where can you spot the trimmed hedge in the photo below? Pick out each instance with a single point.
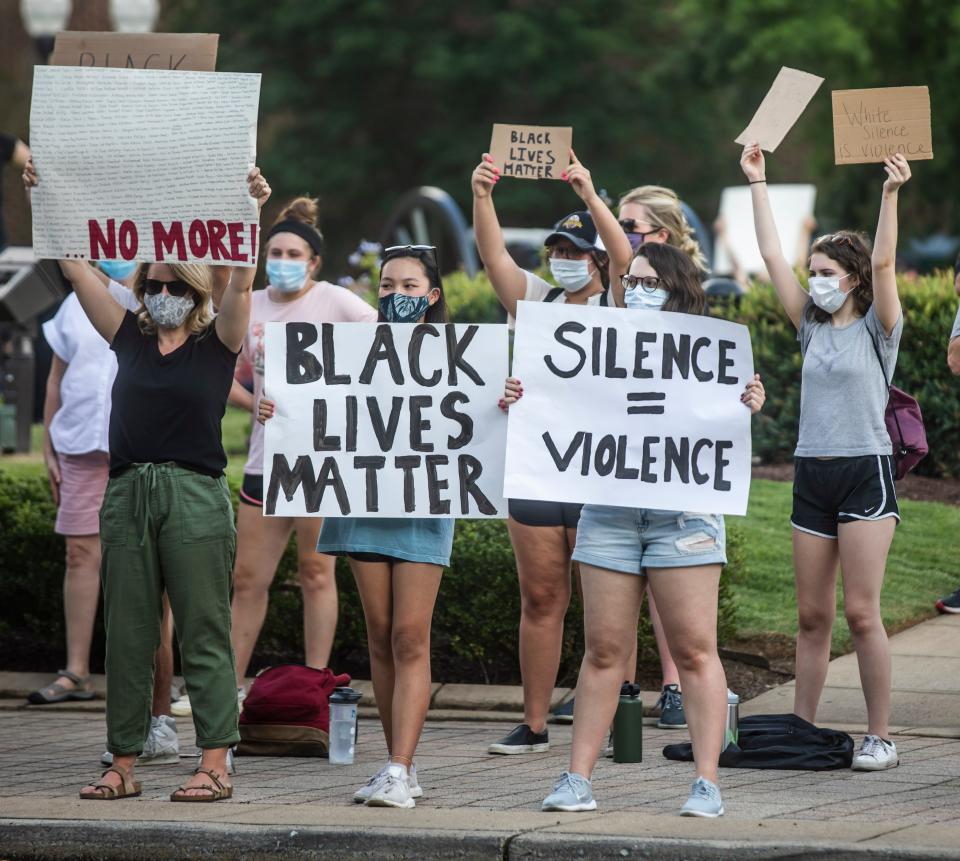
(474, 628)
(929, 306)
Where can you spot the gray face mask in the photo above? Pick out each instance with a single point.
(168, 312)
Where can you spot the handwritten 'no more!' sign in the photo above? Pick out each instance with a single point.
(380, 420)
(630, 408)
(163, 179)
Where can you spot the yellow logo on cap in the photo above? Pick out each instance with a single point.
(572, 223)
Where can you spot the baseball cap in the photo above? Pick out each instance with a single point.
(579, 228)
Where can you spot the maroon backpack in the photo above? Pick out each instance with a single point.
(904, 424)
(286, 712)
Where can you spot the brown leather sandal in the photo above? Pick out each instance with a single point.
(219, 792)
(108, 792)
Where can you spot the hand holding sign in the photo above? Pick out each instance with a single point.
(580, 180)
(531, 152)
(898, 172)
(485, 176)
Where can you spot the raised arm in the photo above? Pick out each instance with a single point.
(100, 307)
(612, 235)
(792, 296)
(234, 315)
(886, 302)
(509, 280)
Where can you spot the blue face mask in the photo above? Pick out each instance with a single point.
(398, 308)
(638, 299)
(118, 270)
(287, 276)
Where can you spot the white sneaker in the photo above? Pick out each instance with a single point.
(875, 754)
(181, 708)
(392, 790)
(365, 791)
(162, 746)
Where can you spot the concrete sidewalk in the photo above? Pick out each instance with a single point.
(484, 807)
(474, 805)
(926, 684)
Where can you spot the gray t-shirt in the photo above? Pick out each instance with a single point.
(956, 326)
(843, 396)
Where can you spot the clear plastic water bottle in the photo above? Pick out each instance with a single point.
(731, 732)
(343, 725)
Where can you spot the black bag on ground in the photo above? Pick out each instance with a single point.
(779, 741)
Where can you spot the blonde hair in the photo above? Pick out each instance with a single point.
(663, 205)
(197, 275)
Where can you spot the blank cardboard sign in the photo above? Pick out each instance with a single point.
(531, 152)
(188, 52)
(781, 108)
(871, 125)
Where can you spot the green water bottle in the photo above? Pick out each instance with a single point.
(628, 725)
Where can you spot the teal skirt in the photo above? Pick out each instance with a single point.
(412, 539)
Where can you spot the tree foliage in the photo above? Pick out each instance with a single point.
(363, 99)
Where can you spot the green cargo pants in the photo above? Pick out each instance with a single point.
(163, 527)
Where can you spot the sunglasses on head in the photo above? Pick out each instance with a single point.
(178, 288)
(421, 252)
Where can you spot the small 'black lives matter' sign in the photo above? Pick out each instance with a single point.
(385, 420)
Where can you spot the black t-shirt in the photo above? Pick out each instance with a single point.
(8, 144)
(169, 407)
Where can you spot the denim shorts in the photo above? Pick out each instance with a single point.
(632, 539)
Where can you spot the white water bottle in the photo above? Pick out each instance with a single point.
(343, 725)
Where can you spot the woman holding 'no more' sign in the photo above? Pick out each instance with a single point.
(844, 501)
(293, 255)
(623, 550)
(542, 533)
(167, 520)
(397, 562)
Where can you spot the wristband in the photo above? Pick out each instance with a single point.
(755, 181)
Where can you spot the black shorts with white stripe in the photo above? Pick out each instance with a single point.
(828, 492)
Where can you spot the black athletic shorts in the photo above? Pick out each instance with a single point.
(532, 512)
(251, 491)
(842, 490)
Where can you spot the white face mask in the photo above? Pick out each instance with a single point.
(168, 312)
(636, 298)
(571, 275)
(826, 292)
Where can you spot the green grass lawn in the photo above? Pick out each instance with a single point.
(923, 562)
(923, 565)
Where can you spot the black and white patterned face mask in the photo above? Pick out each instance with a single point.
(168, 312)
(398, 308)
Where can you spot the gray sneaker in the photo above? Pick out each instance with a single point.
(365, 791)
(671, 708)
(162, 746)
(704, 800)
(572, 793)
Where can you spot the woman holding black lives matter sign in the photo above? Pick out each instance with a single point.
(844, 501)
(293, 255)
(543, 534)
(167, 519)
(620, 549)
(397, 562)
